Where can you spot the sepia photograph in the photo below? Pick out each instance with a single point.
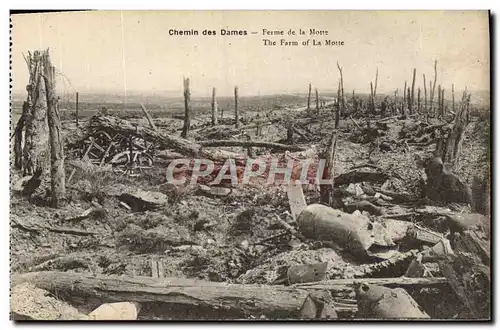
(319, 165)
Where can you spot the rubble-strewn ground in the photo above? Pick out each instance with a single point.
(221, 239)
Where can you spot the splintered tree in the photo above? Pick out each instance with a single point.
(214, 107)
(373, 93)
(317, 101)
(187, 109)
(419, 101)
(57, 182)
(309, 99)
(425, 95)
(328, 156)
(413, 92)
(35, 118)
(341, 100)
(236, 110)
(403, 107)
(453, 144)
(433, 88)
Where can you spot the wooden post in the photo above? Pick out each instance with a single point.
(413, 91)
(309, 99)
(236, 110)
(187, 109)
(317, 100)
(76, 109)
(326, 190)
(214, 107)
(425, 95)
(57, 182)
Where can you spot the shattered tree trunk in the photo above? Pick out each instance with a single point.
(317, 101)
(87, 292)
(187, 109)
(76, 110)
(36, 134)
(337, 113)
(453, 144)
(309, 99)
(439, 101)
(58, 176)
(214, 107)
(326, 190)
(409, 101)
(419, 101)
(18, 138)
(404, 100)
(433, 87)
(425, 94)
(342, 104)
(413, 92)
(236, 110)
(453, 98)
(442, 102)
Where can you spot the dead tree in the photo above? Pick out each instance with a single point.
(419, 103)
(373, 93)
(453, 98)
(35, 122)
(326, 190)
(453, 144)
(317, 101)
(341, 101)
(309, 99)
(57, 182)
(214, 107)
(439, 100)
(18, 137)
(236, 110)
(433, 87)
(425, 95)
(76, 110)
(187, 109)
(408, 98)
(442, 102)
(413, 91)
(404, 100)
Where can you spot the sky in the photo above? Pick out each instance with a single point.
(124, 52)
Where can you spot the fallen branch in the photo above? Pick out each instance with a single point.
(71, 231)
(238, 143)
(396, 281)
(148, 117)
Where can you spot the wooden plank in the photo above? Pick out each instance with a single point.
(296, 199)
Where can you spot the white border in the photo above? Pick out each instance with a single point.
(189, 4)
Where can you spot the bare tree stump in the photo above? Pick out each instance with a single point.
(326, 190)
(214, 107)
(236, 110)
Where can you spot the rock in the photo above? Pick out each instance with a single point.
(115, 311)
(29, 302)
(141, 200)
